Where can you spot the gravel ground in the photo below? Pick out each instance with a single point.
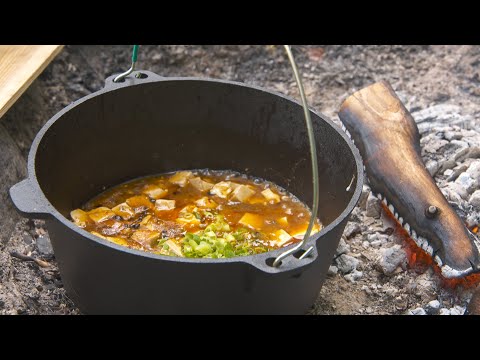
(438, 84)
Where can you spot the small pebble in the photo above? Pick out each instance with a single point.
(376, 244)
(390, 259)
(373, 207)
(362, 203)
(450, 135)
(332, 270)
(353, 276)
(346, 263)
(466, 181)
(419, 311)
(432, 167)
(27, 239)
(352, 229)
(444, 311)
(457, 144)
(455, 192)
(342, 247)
(434, 304)
(44, 245)
(475, 199)
(366, 289)
(457, 310)
(474, 170)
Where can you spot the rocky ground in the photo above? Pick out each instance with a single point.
(373, 271)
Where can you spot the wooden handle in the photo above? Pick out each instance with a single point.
(380, 110)
(388, 139)
(378, 100)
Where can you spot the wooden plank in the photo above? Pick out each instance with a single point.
(19, 66)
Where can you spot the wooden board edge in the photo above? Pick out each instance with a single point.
(30, 80)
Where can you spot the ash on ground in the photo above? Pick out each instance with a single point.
(370, 273)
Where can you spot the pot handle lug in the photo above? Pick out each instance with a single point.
(27, 202)
(293, 264)
(136, 77)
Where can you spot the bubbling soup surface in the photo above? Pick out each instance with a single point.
(197, 214)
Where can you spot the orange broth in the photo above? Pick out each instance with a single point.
(163, 209)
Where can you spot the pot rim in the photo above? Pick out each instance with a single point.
(251, 259)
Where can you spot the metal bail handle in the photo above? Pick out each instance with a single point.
(132, 68)
(313, 152)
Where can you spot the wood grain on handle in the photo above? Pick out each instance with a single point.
(380, 104)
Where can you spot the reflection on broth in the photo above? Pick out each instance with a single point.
(201, 213)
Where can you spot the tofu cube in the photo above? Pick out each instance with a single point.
(188, 220)
(253, 221)
(223, 188)
(187, 215)
(282, 237)
(145, 220)
(140, 202)
(117, 240)
(98, 234)
(200, 184)
(257, 200)
(145, 237)
(300, 234)
(155, 192)
(283, 221)
(206, 202)
(123, 210)
(242, 193)
(271, 196)
(164, 205)
(181, 178)
(101, 214)
(80, 217)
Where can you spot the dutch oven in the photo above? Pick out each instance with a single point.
(148, 125)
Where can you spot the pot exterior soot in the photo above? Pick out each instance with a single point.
(151, 125)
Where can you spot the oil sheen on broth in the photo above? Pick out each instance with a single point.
(198, 213)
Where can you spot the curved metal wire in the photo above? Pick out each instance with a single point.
(313, 152)
(132, 68)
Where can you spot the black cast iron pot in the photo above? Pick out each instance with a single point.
(151, 125)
